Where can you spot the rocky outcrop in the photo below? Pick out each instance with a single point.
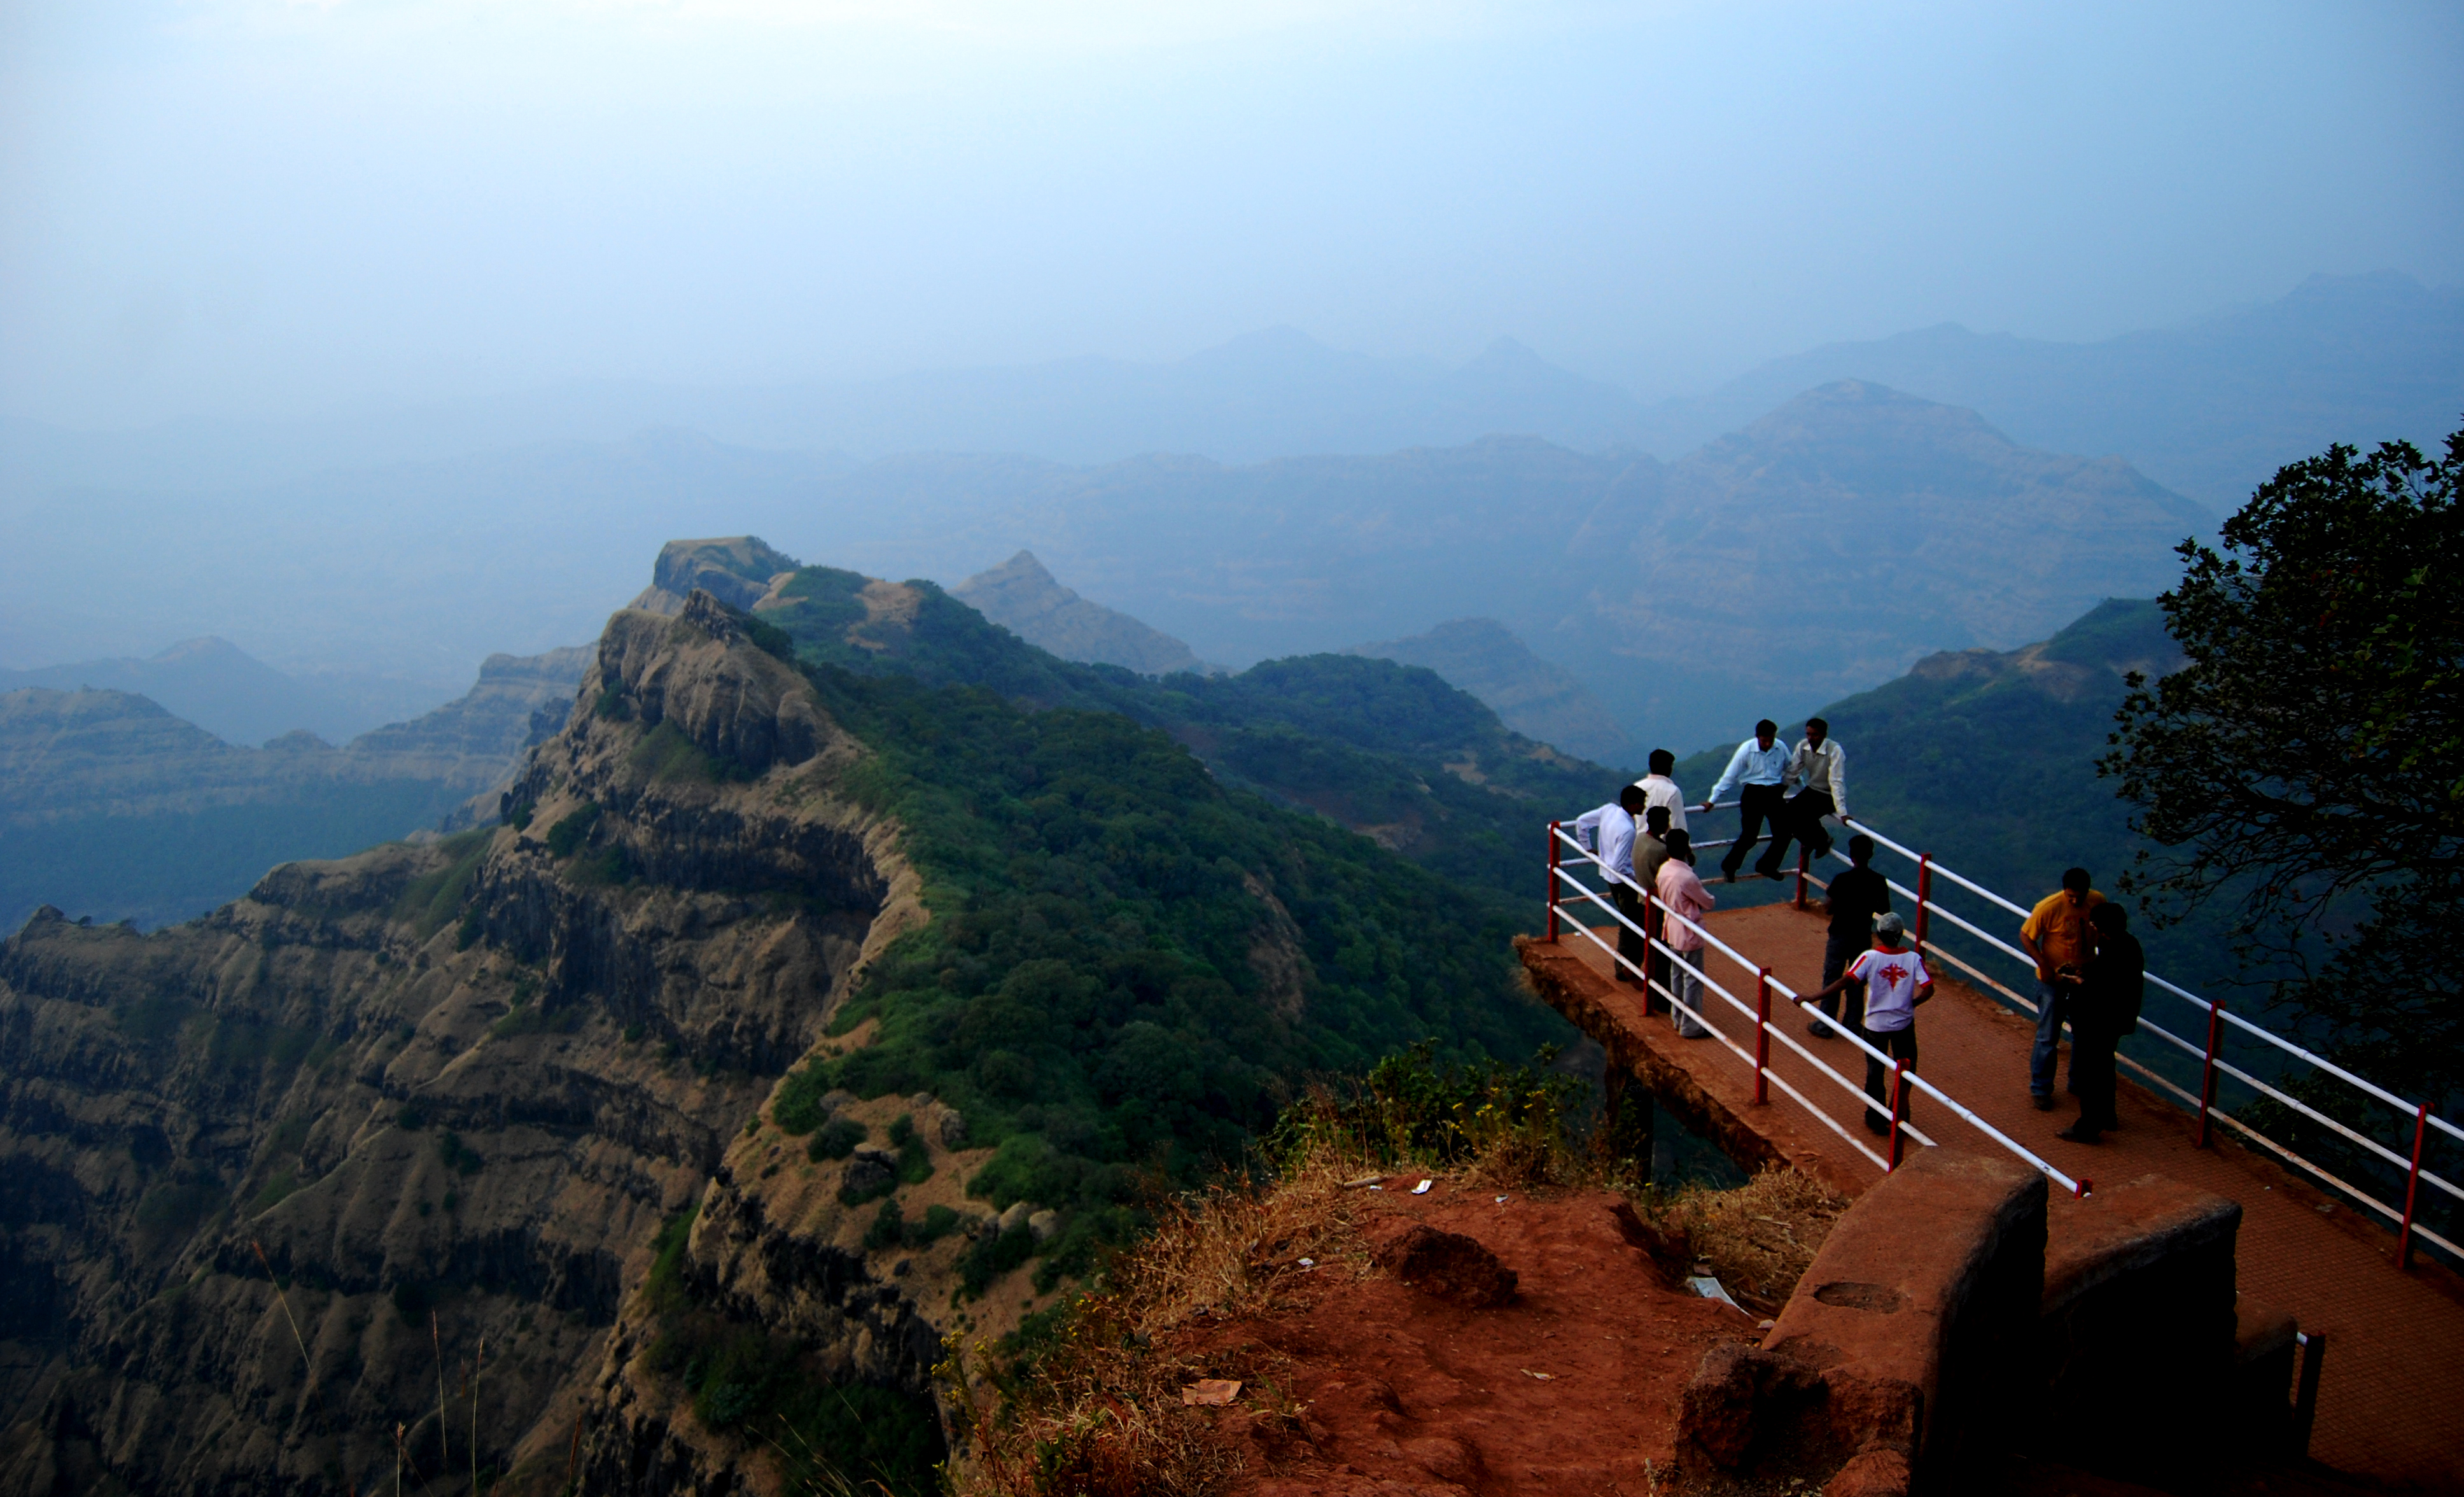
(433, 1106)
(1021, 597)
(737, 570)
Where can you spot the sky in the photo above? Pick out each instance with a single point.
(279, 208)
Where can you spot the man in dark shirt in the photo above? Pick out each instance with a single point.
(2104, 1007)
(1856, 897)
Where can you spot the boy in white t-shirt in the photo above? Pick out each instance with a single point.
(1896, 981)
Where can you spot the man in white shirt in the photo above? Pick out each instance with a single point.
(1758, 772)
(1820, 766)
(1659, 789)
(1609, 832)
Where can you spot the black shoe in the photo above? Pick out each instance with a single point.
(2043, 1103)
(2078, 1135)
(1819, 1029)
(1877, 1127)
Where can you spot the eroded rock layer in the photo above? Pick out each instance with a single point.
(283, 1178)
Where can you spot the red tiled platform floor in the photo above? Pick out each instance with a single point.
(2391, 1399)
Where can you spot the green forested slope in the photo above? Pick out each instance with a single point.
(1388, 750)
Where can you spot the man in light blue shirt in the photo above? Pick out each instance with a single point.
(1759, 772)
(1608, 831)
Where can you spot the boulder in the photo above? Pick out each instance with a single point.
(1046, 1226)
(1447, 1266)
(869, 1168)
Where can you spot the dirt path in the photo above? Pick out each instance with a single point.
(2391, 1401)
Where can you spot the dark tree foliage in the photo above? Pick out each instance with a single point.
(2307, 767)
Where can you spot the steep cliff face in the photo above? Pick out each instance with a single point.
(447, 1097)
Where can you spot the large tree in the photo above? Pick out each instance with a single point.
(2305, 771)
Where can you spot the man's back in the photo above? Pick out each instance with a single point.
(1856, 897)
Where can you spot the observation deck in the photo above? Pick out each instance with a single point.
(2387, 1314)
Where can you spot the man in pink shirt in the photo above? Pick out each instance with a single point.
(1681, 891)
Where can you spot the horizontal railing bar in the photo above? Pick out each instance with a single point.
(2399, 1161)
(1990, 1131)
(1940, 872)
(2273, 1147)
(2187, 1098)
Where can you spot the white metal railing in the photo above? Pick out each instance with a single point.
(1562, 883)
(2211, 1062)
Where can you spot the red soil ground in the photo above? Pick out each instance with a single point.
(1570, 1388)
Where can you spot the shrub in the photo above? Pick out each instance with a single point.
(458, 1156)
(566, 836)
(837, 1140)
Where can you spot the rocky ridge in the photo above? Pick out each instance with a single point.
(473, 1079)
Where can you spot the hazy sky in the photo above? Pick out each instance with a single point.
(254, 207)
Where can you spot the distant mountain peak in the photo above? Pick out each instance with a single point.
(1023, 598)
(1528, 694)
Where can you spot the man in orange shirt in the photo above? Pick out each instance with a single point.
(2056, 936)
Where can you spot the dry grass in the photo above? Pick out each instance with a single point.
(1086, 1405)
(1096, 1411)
(1759, 1239)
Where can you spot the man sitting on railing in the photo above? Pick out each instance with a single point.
(2056, 936)
(2103, 1008)
(1758, 772)
(1683, 893)
(1660, 788)
(1820, 766)
(1856, 897)
(1608, 832)
(1895, 981)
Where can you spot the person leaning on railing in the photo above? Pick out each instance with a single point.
(1758, 772)
(2105, 1007)
(1681, 891)
(1895, 981)
(1608, 832)
(2056, 936)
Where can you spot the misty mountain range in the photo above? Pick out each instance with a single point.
(1813, 550)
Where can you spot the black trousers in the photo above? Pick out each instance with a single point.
(1799, 820)
(1630, 946)
(2094, 1075)
(1839, 949)
(1899, 1045)
(1755, 806)
(1656, 924)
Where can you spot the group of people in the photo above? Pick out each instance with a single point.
(2090, 970)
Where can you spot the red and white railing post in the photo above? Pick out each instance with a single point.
(1925, 895)
(1899, 1104)
(1552, 879)
(2412, 1187)
(2208, 1068)
(1762, 1037)
(1800, 875)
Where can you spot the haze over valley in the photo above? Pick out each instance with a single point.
(763, 747)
